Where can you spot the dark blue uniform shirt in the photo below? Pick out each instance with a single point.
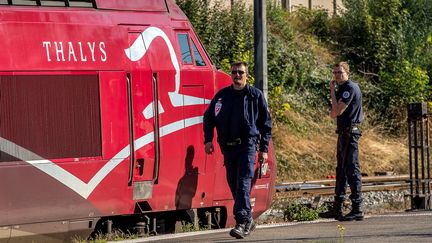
(236, 123)
(253, 120)
(351, 95)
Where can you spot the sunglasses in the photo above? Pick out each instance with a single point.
(237, 72)
(337, 72)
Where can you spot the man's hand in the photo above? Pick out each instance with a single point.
(332, 85)
(262, 156)
(209, 149)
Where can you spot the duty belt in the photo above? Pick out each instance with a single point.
(234, 142)
(347, 129)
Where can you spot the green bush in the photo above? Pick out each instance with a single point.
(387, 41)
(227, 33)
(290, 65)
(315, 22)
(371, 32)
(402, 85)
(300, 212)
(278, 106)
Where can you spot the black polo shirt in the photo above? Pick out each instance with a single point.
(350, 94)
(236, 120)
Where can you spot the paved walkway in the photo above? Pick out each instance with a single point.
(403, 227)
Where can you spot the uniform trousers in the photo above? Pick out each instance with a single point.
(240, 164)
(348, 167)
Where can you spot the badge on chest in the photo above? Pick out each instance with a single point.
(218, 106)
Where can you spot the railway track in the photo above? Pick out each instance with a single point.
(326, 187)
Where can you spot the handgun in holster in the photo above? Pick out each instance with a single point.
(261, 161)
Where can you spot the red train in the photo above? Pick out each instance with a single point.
(101, 106)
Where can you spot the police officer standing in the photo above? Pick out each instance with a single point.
(348, 111)
(240, 114)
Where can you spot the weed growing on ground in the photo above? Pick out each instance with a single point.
(189, 227)
(186, 227)
(116, 235)
(301, 212)
(341, 230)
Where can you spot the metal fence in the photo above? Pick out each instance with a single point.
(332, 6)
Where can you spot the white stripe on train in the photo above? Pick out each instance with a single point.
(76, 184)
(135, 52)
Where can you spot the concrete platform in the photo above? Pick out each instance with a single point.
(403, 227)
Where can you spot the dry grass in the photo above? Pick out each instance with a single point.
(308, 151)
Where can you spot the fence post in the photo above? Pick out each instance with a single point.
(419, 156)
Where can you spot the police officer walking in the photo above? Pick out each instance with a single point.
(347, 109)
(240, 114)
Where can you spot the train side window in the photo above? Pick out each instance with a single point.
(199, 61)
(186, 55)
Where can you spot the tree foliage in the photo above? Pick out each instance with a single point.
(227, 34)
(388, 41)
(388, 44)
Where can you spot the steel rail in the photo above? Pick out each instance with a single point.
(326, 187)
(364, 179)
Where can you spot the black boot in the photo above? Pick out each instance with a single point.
(238, 231)
(355, 214)
(333, 213)
(249, 227)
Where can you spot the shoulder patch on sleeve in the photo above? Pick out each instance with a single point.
(346, 94)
